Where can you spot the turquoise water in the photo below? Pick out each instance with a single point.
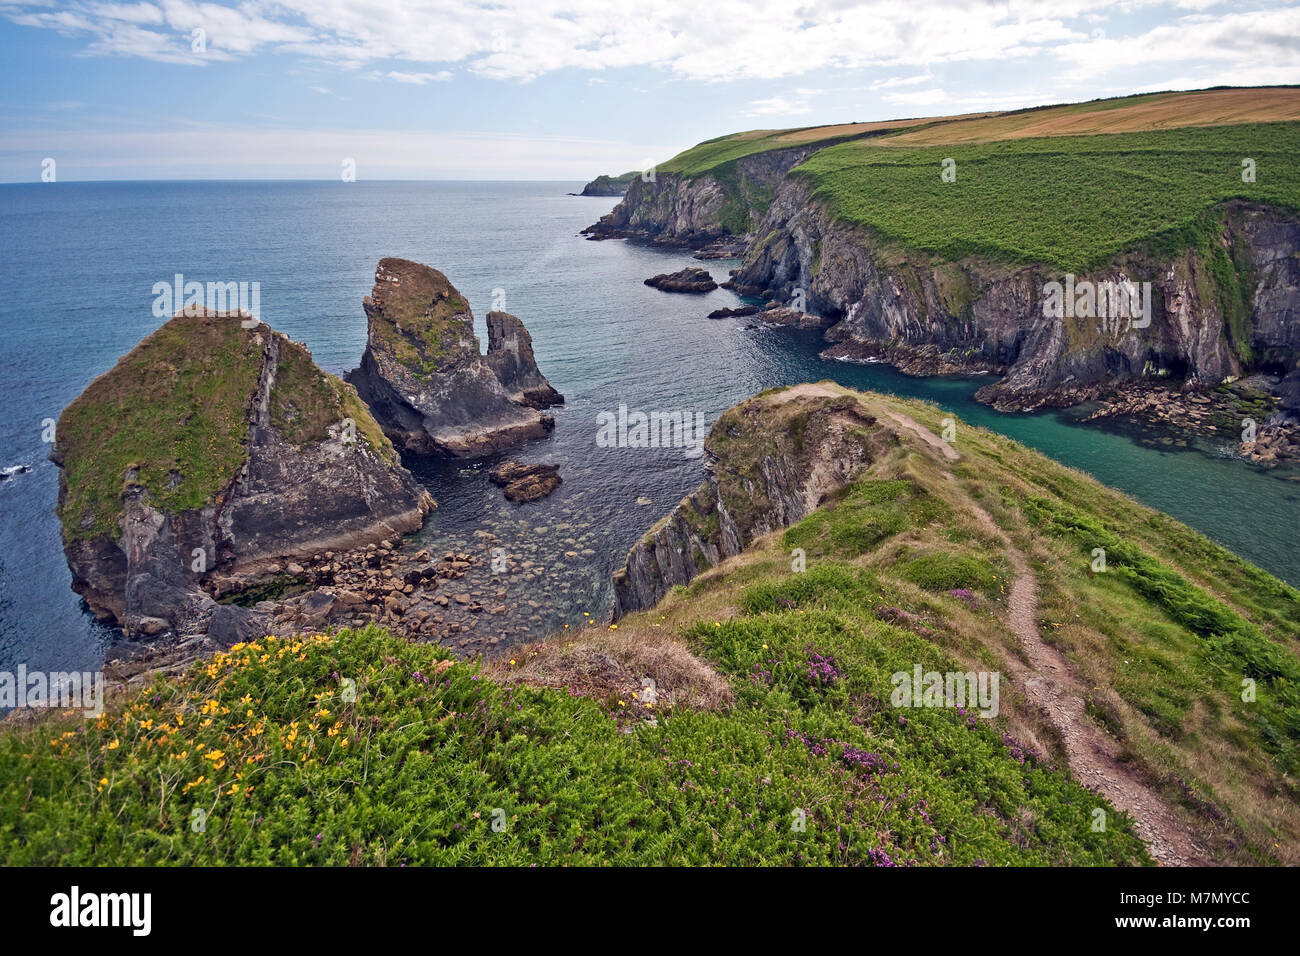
(76, 293)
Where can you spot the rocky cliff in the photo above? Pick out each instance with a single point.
(510, 354)
(425, 379)
(673, 209)
(769, 462)
(609, 185)
(215, 449)
(1218, 310)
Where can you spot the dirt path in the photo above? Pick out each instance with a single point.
(1052, 686)
(927, 436)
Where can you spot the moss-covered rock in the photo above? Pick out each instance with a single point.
(425, 379)
(212, 446)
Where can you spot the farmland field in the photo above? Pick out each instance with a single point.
(1068, 201)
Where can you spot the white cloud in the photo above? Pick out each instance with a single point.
(721, 40)
(797, 103)
(416, 79)
(918, 97)
(894, 81)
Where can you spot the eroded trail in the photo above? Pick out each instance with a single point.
(1052, 686)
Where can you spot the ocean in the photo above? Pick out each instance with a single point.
(76, 293)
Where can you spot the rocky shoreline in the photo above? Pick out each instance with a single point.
(270, 499)
(877, 303)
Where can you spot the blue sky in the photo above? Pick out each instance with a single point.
(560, 89)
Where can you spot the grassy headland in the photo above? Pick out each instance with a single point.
(773, 697)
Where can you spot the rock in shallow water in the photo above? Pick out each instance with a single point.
(690, 279)
(523, 483)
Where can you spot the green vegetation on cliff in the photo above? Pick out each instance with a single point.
(172, 418)
(774, 737)
(1183, 657)
(708, 156)
(419, 317)
(1073, 202)
(433, 763)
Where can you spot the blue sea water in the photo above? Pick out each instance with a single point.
(76, 292)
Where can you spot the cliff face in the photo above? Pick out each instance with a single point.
(609, 185)
(510, 354)
(677, 210)
(1216, 312)
(769, 462)
(427, 383)
(215, 449)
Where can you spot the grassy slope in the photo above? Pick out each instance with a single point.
(1164, 638)
(179, 403)
(287, 771)
(1040, 185)
(706, 157)
(1073, 202)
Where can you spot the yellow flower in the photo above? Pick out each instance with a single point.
(113, 744)
(344, 742)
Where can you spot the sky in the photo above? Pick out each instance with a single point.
(561, 89)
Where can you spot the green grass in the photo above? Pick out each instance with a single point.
(707, 156)
(865, 514)
(266, 748)
(174, 412)
(1160, 643)
(1227, 648)
(175, 409)
(943, 571)
(1072, 202)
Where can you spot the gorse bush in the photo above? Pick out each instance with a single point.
(363, 749)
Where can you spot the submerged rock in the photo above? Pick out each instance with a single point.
(523, 483)
(690, 279)
(424, 378)
(212, 448)
(738, 312)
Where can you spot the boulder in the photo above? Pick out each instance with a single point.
(523, 483)
(691, 279)
(739, 312)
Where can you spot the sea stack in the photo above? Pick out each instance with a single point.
(212, 448)
(424, 378)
